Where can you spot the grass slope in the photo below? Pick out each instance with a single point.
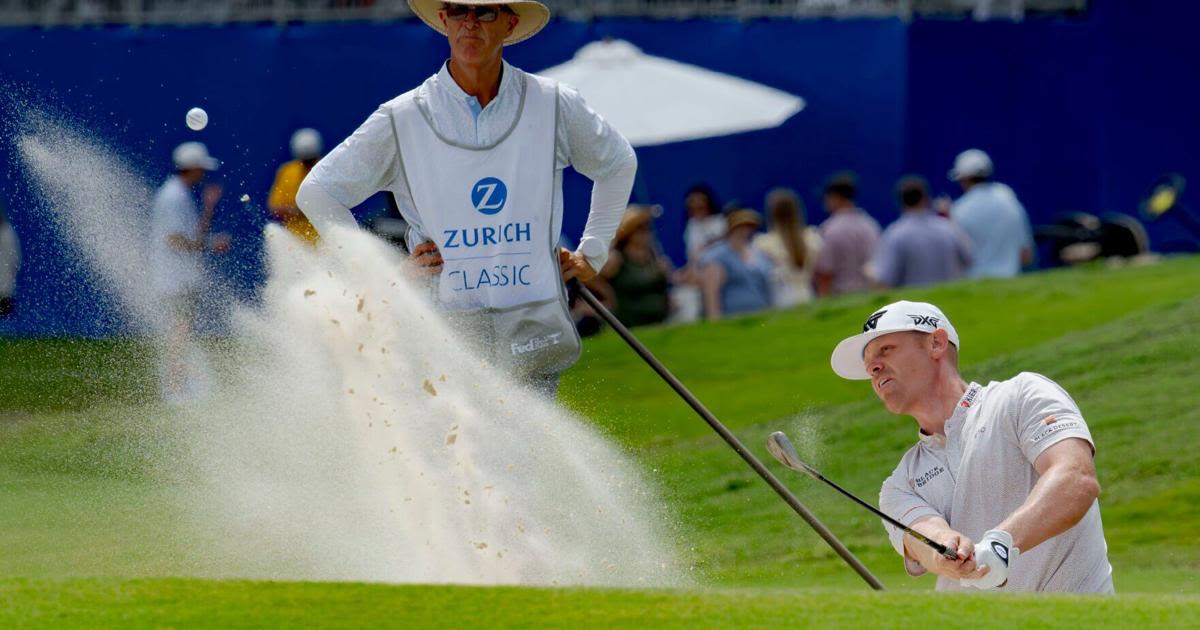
(232, 605)
(78, 497)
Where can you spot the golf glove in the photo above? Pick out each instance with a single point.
(995, 551)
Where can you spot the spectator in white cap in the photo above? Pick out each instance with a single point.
(474, 157)
(179, 237)
(306, 145)
(992, 216)
(1002, 472)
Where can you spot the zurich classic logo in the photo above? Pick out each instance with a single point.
(488, 195)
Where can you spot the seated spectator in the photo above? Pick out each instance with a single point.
(306, 148)
(705, 226)
(848, 237)
(736, 277)
(992, 216)
(10, 263)
(637, 272)
(920, 247)
(792, 245)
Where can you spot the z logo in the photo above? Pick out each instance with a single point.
(488, 195)
(873, 321)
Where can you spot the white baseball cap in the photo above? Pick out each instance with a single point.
(194, 155)
(847, 358)
(971, 163)
(306, 144)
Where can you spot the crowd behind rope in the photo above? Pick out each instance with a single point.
(738, 262)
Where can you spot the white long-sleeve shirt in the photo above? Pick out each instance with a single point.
(368, 161)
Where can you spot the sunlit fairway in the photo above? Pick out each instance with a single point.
(88, 537)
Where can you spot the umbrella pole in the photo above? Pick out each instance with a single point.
(730, 439)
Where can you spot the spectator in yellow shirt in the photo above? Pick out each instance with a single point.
(306, 151)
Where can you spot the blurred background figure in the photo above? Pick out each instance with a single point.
(637, 272)
(848, 236)
(992, 216)
(10, 263)
(705, 226)
(179, 237)
(793, 247)
(921, 247)
(735, 276)
(306, 145)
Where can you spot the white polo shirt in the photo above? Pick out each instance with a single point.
(982, 471)
(174, 272)
(368, 161)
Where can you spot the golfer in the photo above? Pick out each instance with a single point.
(474, 157)
(1001, 472)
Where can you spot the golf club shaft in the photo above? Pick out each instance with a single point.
(729, 438)
(942, 549)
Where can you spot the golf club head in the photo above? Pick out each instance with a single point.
(781, 448)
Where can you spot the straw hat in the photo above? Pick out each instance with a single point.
(534, 15)
(739, 218)
(635, 217)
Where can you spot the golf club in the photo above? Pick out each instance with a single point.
(779, 446)
(729, 438)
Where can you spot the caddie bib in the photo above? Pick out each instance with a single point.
(488, 209)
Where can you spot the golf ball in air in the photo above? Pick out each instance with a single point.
(197, 119)
(245, 198)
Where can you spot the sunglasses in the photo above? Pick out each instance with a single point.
(485, 13)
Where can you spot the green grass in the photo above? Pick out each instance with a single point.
(205, 604)
(79, 497)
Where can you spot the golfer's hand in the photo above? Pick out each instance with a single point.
(963, 568)
(994, 552)
(427, 258)
(574, 265)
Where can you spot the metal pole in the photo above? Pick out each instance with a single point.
(729, 438)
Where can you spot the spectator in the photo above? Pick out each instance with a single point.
(179, 237)
(637, 272)
(736, 277)
(849, 237)
(921, 247)
(306, 148)
(705, 225)
(10, 263)
(792, 245)
(992, 216)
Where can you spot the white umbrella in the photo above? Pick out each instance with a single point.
(653, 100)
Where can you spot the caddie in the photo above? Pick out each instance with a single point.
(1002, 472)
(474, 157)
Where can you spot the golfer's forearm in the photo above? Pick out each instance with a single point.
(1059, 499)
(932, 528)
(322, 210)
(610, 196)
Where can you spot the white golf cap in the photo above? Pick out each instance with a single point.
(534, 15)
(971, 163)
(194, 155)
(847, 358)
(306, 144)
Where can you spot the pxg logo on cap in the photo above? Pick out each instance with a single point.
(489, 195)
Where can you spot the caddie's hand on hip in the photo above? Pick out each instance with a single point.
(574, 265)
(427, 258)
(994, 551)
